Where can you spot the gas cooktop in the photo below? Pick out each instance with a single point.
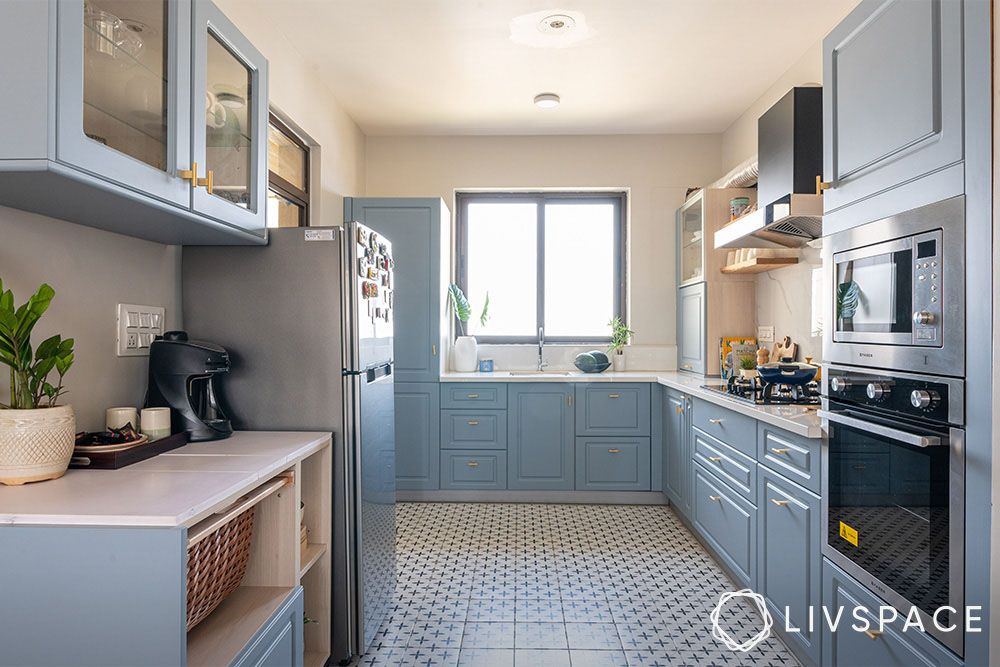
(762, 393)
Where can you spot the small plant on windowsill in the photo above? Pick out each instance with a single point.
(620, 337)
(465, 354)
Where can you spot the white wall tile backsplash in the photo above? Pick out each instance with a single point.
(785, 301)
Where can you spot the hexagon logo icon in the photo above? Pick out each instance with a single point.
(721, 635)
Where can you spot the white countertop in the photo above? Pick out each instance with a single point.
(177, 488)
(793, 418)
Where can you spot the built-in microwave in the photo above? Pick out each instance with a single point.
(896, 292)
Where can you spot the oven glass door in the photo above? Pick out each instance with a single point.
(873, 293)
(888, 510)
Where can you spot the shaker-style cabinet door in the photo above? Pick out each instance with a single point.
(229, 122)
(123, 110)
(540, 436)
(676, 451)
(418, 435)
(691, 314)
(892, 107)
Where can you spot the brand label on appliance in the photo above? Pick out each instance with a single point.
(848, 533)
(319, 235)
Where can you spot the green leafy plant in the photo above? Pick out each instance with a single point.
(848, 298)
(30, 369)
(461, 308)
(620, 335)
(748, 363)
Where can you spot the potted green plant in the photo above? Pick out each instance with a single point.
(748, 367)
(620, 337)
(36, 434)
(465, 353)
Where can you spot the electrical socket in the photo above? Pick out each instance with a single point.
(137, 326)
(765, 334)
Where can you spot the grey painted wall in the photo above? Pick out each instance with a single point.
(91, 271)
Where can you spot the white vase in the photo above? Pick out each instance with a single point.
(465, 354)
(35, 445)
(618, 361)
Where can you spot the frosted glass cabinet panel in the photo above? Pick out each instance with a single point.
(690, 237)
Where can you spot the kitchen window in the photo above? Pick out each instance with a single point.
(551, 259)
(287, 177)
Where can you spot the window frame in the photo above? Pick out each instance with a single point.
(280, 185)
(618, 198)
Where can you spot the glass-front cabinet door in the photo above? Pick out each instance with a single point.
(690, 240)
(229, 122)
(123, 76)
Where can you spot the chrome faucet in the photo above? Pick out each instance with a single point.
(541, 347)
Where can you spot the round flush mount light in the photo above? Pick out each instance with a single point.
(556, 24)
(551, 28)
(546, 100)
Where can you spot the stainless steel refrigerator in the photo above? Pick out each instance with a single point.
(308, 324)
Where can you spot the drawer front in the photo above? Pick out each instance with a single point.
(279, 642)
(612, 464)
(471, 469)
(732, 428)
(474, 429)
(612, 409)
(893, 648)
(732, 466)
(474, 396)
(793, 456)
(727, 523)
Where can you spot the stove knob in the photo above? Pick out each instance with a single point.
(923, 317)
(876, 391)
(922, 398)
(839, 384)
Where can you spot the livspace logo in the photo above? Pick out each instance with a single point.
(870, 622)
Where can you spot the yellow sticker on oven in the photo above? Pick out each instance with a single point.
(848, 533)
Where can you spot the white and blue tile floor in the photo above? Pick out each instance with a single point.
(535, 585)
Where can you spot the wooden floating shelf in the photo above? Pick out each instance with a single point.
(760, 264)
(312, 553)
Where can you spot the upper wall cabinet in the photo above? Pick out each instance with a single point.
(149, 119)
(892, 107)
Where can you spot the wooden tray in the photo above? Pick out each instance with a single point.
(126, 457)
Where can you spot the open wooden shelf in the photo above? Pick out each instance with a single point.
(760, 264)
(310, 556)
(219, 638)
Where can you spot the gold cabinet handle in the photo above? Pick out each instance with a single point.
(473, 464)
(860, 467)
(714, 459)
(779, 503)
(614, 451)
(822, 185)
(472, 395)
(715, 421)
(473, 422)
(678, 409)
(873, 634)
(779, 450)
(190, 174)
(614, 395)
(207, 182)
(434, 350)
(715, 498)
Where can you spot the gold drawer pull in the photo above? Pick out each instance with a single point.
(472, 395)
(614, 451)
(473, 464)
(679, 409)
(473, 422)
(859, 467)
(715, 498)
(614, 395)
(715, 421)
(779, 503)
(820, 186)
(779, 450)
(714, 459)
(873, 634)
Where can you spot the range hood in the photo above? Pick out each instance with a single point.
(790, 161)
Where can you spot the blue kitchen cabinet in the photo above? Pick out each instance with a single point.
(727, 523)
(478, 396)
(417, 435)
(795, 457)
(279, 643)
(419, 230)
(730, 465)
(612, 409)
(473, 469)
(608, 463)
(473, 429)
(677, 450)
(691, 328)
(540, 436)
(789, 558)
(893, 647)
(108, 132)
(737, 430)
(892, 110)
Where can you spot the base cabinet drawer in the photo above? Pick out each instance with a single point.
(793, 456)
(612, 464)
(473, 429)
(612, 409)
(473, 469)
(460, 395)
(893, 648)
(736, 469)
(279, 642)
(727, 522)
(736, 430)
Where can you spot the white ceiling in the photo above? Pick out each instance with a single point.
(652, 66)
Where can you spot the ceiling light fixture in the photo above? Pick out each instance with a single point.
(546, 100)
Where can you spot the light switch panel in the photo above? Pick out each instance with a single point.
(765, 334)
(137, 327)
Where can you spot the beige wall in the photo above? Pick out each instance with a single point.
(657, 169)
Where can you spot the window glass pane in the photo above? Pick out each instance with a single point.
(282, 212)
(286, 158)
(502, 256)
(579, 269)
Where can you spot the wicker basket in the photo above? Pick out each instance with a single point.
(216, 565)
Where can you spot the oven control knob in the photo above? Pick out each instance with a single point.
(839, 384)
(923, 317)
(876, 391)
(922, 398)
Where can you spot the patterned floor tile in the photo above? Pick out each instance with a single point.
(586, 611)
(491, 610)
(423, 657)
(488, 635)
(540, 635)
(595, 636)
(539, 611)
(486, 657)
(541, 658)
(597, 659)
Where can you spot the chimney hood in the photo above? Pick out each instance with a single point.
(790, 160)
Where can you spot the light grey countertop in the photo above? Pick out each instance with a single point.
(796, 419)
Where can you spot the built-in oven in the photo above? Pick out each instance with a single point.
(893, 490)
(896, 292)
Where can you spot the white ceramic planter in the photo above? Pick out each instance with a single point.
(35, 445)
(748, 373)
(617, 362)
(465, 354)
